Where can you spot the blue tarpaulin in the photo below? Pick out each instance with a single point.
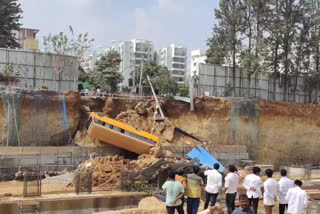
(204, 157)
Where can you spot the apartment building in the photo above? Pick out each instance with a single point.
(174, 58)
(133, 53)
(197, 57)
(26, 37)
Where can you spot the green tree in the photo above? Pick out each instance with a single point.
(165, 84)
(106, 75)
(303, 43)
(184, 90)
(160, 78)
(314, 69)
(9, 74)
(289, 20)
(60, 45)
(251, 65)
(272, 42)
(217, 50)
(10, 14)
(226, 34)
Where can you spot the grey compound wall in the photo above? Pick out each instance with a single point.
(217, 81)
(39, 69)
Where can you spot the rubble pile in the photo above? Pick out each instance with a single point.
(142, 117)
(106, 171)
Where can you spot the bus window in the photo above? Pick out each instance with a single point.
(122, 130)
(116, 129)
(97, 121)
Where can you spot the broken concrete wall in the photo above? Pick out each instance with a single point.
(38, 118)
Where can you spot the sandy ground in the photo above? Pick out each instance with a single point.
(154, 206)
(15, 188)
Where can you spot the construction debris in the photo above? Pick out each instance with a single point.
(106, 171)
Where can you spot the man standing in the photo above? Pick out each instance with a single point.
(174, 194)
(252, 183)
(270, 192)
(214, 182)
(244, 206)
(297, 198)
(180, 178)
(231, 187)
(284, 185)
(193, 191)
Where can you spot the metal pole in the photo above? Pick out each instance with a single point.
(155, 97)
(191, 92)
(140, 88)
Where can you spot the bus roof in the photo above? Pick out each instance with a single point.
(125, 127)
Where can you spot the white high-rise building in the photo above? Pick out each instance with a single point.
(174, 58)
(132, 53)
(197, 57)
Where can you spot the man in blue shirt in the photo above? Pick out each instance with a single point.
(244, 206)
(174, 194)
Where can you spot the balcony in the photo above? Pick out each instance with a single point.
(177, 73)
(178, 60)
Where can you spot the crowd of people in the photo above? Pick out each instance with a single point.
(292, 199)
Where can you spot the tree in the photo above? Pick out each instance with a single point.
(184, 90)
(60, 45)
(106, 74)
(314, 69)
(10, 14)
(9, 74)
(289, 14)
(217, 50)
(160, 78)
(303, 43)
(226, 34)
(165, 84)
(272, 42)
(251, 65)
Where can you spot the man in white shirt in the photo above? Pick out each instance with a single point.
(231, 187)
(270, 192)
(297, 198)
(284, 185)
(214, 182)
(252, 183)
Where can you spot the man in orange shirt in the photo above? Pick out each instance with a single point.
(180, 178)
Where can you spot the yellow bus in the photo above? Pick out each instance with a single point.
(120, 134)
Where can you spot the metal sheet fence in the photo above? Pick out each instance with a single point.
(218, 81)
(38, 69)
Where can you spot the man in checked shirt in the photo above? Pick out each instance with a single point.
(244, 206)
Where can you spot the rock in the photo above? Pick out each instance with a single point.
(140, 108)
(167, 154)
(156, 152)
(86, 108)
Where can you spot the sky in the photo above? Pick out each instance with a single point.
(185, 22)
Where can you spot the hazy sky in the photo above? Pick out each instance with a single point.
(186, 22)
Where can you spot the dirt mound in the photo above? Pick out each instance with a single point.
(114, 106)
(106, 170)
(142, 117)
